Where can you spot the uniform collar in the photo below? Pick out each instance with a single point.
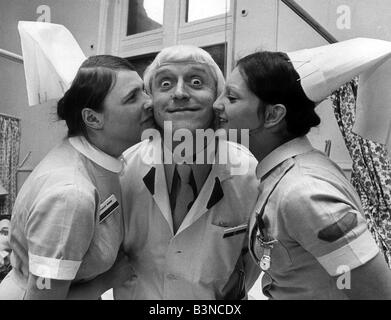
(287, 150)
(200, 171)
(208, 153)
(155, 180)
(81, 144)
(152, 157)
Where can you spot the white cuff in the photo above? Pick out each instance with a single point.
(51, 268)
(351, 256)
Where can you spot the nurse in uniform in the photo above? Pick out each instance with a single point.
(67, 224)
(307, 232)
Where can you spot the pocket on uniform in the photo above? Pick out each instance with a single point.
(228, 218)
(235, 288)
(218, 254)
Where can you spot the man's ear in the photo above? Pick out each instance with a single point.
(92, 119)
(274, 114)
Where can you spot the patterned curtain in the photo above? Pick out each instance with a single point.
(9, 159)
(371, 171)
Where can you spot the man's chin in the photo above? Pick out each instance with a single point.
(190, 125)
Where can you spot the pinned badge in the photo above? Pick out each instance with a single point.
(107, 207)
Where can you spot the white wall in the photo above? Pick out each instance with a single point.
(271, 25)
(295, 34)
(40, 130)
(347, 19)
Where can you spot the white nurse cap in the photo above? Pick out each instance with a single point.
(324, 69)
(51, 59)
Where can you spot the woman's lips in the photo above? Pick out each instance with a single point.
(222, 120)
(147, 120)
(219, 118)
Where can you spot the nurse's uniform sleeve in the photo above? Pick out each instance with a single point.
(322, 219)
(59, 232)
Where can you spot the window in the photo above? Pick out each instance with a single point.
(140, 63)
(219, 55)
(201, 9)
(139, 31)
(144, 15)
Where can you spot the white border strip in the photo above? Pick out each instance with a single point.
(51, 268)
(352, 255)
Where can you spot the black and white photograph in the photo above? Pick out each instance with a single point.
(221, 153)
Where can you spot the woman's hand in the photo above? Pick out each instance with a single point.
(120, 272)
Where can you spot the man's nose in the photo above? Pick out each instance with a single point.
(180, 90)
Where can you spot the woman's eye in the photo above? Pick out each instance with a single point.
(232, 99)
(130, 98)
(196, 82)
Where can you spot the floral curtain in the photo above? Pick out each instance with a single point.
(371, 171)
(9, 159)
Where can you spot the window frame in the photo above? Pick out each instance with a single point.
(204, 32)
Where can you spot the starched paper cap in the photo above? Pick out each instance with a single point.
(324, 69)
(51, 58)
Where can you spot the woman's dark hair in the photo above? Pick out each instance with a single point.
(93, 82)
(273, 79)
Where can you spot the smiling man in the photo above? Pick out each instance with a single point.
(193, 88)
(185, 223)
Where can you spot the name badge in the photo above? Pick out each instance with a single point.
(235, 230)
(107, 207)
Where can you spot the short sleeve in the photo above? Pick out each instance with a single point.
(325, 220)
(59, 231)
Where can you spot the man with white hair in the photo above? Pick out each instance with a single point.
(186, 216)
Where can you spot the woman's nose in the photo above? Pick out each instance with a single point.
(218, 106)
(147, 101)
(146, 95)
(148, 104)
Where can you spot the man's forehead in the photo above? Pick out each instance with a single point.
(183, 66)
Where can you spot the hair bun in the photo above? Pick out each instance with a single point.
(61, 109)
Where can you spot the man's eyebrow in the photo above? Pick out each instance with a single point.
(199, 69)
(191, 68)
(163, 70)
